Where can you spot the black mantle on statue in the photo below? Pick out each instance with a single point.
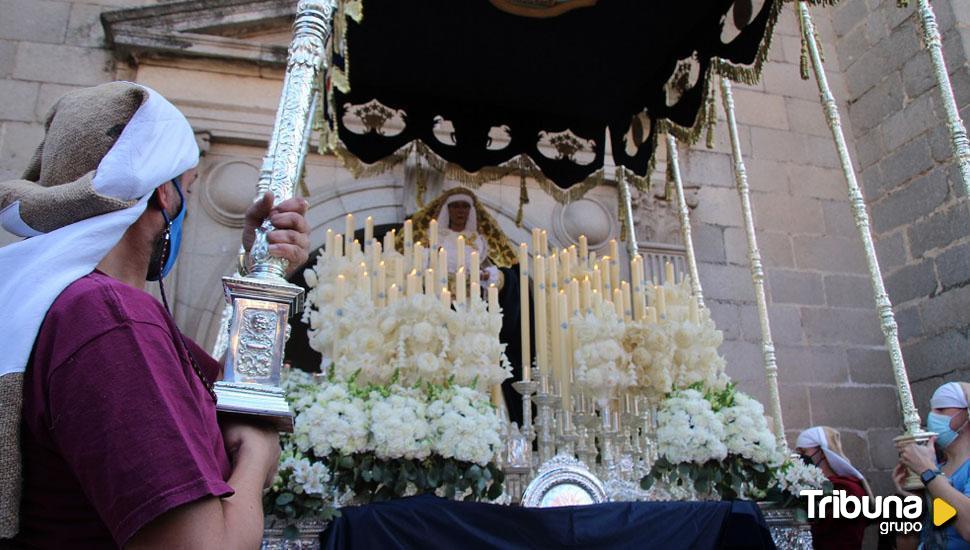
(428, 522)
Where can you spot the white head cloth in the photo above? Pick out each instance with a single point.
(449, 241)
(949, 395)
(443, 218)
(155, 146)
(815, 437)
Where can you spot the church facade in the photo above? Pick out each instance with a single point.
(221, 64)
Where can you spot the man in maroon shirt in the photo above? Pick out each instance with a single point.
(119, 436)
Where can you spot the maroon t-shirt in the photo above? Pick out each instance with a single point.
(117, 428)
(841, 533)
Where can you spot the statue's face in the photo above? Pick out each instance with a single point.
(458, 215)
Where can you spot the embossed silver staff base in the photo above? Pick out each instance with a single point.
(258, 331)
(255, 400)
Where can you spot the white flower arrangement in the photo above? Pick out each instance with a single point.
(415, 340)
(746, 432)
(602, 365)
(674, 353)
(464, 426)
(796, 476)
(688, 430)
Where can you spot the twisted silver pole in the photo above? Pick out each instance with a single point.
(754, 260)
(958, 132)
(684, 213)
(283, 163)
(631, 233)
(883, 305)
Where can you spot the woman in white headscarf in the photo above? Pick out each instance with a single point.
(457, 218)
(823, 447)
(949, 478)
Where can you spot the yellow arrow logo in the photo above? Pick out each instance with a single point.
(942, 511)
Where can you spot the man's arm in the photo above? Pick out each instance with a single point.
(234, 522)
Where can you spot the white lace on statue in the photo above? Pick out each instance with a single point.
(457, 218)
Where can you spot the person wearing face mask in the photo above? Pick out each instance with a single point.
(949, 478)
(822, 446)
(108, 427)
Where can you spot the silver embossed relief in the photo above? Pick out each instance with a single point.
(256, 341)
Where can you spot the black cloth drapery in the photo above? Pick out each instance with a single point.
(464, 76)
(428, 522)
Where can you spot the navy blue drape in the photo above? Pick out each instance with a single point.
(428, 522)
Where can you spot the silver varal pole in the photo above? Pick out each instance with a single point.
(631, 232)
(883, 305)
(958, 132)
(684, 214)
(263, 301)
(754, 260)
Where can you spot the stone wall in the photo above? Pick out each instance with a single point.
(832, 367)
(914, 192)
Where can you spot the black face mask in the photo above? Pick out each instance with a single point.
(809, 460)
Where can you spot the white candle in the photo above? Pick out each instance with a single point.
(597, 280)
(375, 253)
(364, 283)
(381, 282)
(429, 285)
(349, 232)
(460, 251)
(475, 272)
(651, 315)
(408, 243)
(606, 270)
(669, 273)
(433, 235)
(418, 261)
(539, 291)
(389, 240)
(627, 302)
(565, 342)
(442, 267)
(636, 275)
(475, 292)
(544, 245)
(369, 229)
(573, 296)
(618, 302)
(524, 312)
(329, 248)
(536, 240)
(584, 251)
(398, 271)
(585, 295)
(413, 283)
(460, 286)
(493, 299)
(660, 300)
(392, 295)
(338, 245)
(446, 297)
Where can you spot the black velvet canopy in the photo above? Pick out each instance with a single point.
(481, 82)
